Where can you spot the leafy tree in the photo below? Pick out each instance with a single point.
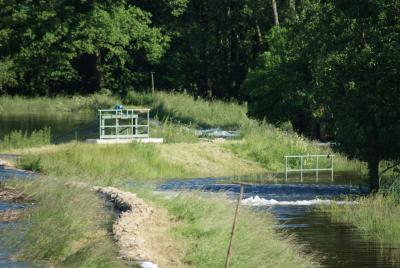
(68, 46)
(337, 61)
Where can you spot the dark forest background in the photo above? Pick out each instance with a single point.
(330, 68)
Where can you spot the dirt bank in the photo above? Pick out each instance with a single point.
(141, 231)
(9, 194)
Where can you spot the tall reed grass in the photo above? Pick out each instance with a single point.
(185, 109)
(18, 139)
(377, 215)
(105, 164)
(268, 145)
(69, 226)
(57, 106)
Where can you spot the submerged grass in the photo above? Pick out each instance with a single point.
(68, 226)
(18, 139)
(204, 224)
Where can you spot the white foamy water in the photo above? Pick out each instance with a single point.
(257, 201)
(147, 264)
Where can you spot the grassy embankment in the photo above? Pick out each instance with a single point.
(68, 227)
(203, 227)
(259, 141)
(58, 106)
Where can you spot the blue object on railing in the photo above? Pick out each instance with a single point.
(118, 107)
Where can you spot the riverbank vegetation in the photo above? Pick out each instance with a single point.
(377, 216)
(55, 106)
(110, 164)
(186, 109)
(18, 139)
(69, 226)
(204, 224)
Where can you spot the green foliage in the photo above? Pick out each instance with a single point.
(107, 165)
(376, 215)
(30, 162)
(140, 99)
(204, 224)
(172, 133)
(55, 47)
(58, 106)
(183, 108)
(335, 65)
(18, 139)
(268, 145)
(68, 227)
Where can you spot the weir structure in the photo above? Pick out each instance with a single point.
(124, 123)
(121, 125)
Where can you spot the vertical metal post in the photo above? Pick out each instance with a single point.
(301, 168)
(131, 126)
(116, 123)
(317, 168)
(228, 255)
(286, 171)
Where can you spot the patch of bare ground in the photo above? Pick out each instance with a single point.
(143, 232)
(9, 194)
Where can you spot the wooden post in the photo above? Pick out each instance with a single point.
(228, 255)
(152, 82)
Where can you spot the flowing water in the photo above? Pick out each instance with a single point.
(294, 206)
(5, 252)
(293, 203)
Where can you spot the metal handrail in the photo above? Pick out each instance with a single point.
(302, 169)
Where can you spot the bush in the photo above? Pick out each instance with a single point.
(30, 162)
(18, 139)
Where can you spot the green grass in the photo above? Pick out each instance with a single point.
(68, 227)
(185, 109)
(268, 145)
(104, 164)
(18, 139)
(375, 215)
(204, 224)
(172, 132)
(57, 106)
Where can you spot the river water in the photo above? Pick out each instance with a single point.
(294, 206)
(5, 252)
(293, 203)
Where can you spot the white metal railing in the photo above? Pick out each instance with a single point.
(124, 123)
(302, 169)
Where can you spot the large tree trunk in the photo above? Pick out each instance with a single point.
(373, 173)
(275, 9)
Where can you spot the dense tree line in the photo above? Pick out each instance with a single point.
(336, 64)
(57, 47)
(331, 68)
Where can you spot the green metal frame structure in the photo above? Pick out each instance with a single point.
(124, 123)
